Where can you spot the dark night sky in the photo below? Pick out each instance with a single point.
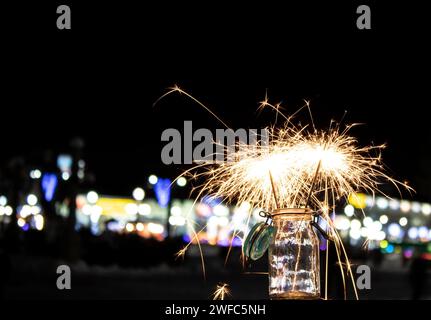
(100, 80)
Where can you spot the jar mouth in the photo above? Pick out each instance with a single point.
(292, 214)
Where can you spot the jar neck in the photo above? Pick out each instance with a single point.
(293, 214)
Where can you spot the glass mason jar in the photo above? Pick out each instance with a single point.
(294, 270)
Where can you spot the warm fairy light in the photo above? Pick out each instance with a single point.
(221, 291)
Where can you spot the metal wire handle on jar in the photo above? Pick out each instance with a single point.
(314, 223)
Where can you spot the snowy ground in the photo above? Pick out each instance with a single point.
(37, 280)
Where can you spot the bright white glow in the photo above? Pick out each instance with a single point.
(181, 182)
(382, 203)
(86, 209)
(8, 210)
(155, 228)
(35, 210)
(223, 221)
(403, 221)
(405, 206)
(349, 210)
(384, 219)
(341, 223)
(423, 232)
(35, 174)
(153, 179)
(416, 207)
(245, 206)
(31, 199)
(92, 197)
(140, 226)
(239, 217)
(355, 234)
(369, 201)
(39, 222)
(25, 211)
(413, 233)
(176, 211)
(131, 208)
(394, 230)
(368, 221)
(21, 222)
(65, 175)
(377, 226)
(3, 201)
(96, 212)
(365, 232)
(426, 209)
(130, 227)
(373, 230)
(381, 235)
(355, 224)
(213, 221)
(144, 209)
(394, 204)
(138, 194)
(1, 210)
(177, 220)
(98, 209)
(221, 210)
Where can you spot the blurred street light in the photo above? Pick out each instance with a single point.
(81, 164)
(65, 176)
(144, 209)
(130, 227)
(8, 210)
(426, 209)
(35, 174)
(21, 222)
(138, 194)
(152, 179)
(92, 197)
(403, 221)
(349, 210)
(3, 201)
(31, 199)
(39, 222)
(131, 208)
(181, 182)
(384, 219)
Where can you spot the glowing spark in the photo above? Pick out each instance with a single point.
(221, 291)
(181, 253)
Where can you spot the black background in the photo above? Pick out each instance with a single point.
(100, 79)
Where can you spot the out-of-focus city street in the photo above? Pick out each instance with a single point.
(102, 124)
(36, 280)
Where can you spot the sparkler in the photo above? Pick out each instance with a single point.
(300, 167)
(292, 157)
